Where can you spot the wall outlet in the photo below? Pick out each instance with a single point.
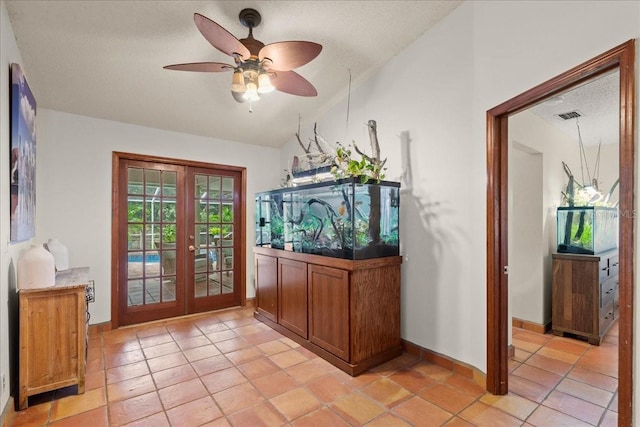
(91, 291)
(3, 379)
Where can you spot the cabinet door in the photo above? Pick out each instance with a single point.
(292, 301)
(267, 286)
(329, 309)
(52, 340)
(575, 295)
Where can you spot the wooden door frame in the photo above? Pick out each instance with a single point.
(117, 157)
(623, 58)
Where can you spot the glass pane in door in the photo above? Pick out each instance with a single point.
(213, 240)
(151, 236)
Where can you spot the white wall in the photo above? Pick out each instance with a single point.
(442, 232)
(527, 251)
(74, 155)
(9, 252)
(529, 130)
(479, 56)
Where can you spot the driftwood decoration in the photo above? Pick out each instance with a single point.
(307, 149)
(374, 190)
(374, 159)
(312, 159)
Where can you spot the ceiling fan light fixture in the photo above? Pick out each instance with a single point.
(264, 83)
(255, 64)
(237, 81)
(252, 92)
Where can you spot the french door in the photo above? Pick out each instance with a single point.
(178, 238)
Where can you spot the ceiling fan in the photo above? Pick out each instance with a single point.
(257, 68)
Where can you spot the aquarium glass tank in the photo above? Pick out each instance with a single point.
(587, 229)
(340, 219)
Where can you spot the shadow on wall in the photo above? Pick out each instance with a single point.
(430, 245)
(14, 331)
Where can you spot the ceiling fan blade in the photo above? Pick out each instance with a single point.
(220, 38)
(286, 56)
(205, 67)
(292, 83)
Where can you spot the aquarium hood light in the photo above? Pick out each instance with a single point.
(305, 179)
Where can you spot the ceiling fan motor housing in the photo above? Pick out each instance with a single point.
(250, 18)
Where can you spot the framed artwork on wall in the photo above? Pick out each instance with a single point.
(23, 157)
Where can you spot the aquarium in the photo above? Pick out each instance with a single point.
(340, 219)
(587, 229)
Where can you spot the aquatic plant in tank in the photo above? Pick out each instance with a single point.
(333, 219)
(587, 229)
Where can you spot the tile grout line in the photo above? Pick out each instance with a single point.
(234, 325)
(565, 376)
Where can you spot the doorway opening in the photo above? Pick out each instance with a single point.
(622, 58)
(177, 238)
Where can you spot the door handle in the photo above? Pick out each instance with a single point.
(192, 248)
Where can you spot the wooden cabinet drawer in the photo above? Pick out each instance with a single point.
(608, 289)
(603, 268)
(608, 266)
(613, 265)
(606, 316)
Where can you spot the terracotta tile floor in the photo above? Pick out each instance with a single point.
(226, 368)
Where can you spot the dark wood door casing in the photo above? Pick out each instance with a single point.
(623, 58)
(118, 158)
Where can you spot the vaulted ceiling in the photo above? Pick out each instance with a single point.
(104, 59)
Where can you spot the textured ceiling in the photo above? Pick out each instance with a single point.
(598, 103)
(104, 58)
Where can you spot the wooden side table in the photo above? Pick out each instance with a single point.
(53, 331)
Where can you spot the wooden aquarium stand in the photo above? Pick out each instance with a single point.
(345, 311)
(585, 298)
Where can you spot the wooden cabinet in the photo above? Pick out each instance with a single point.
(267, 286)
(346, 311)
(584, 294)
(292, 295)
(52, 340)
(329, 309)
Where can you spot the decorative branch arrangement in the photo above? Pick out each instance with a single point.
(307, 150)
(341, 164)
(313, 160)
(368, 167)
